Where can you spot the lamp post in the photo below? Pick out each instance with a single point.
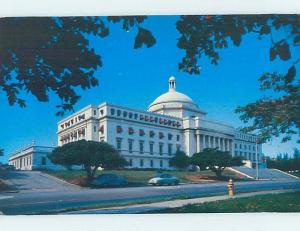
(256, 157)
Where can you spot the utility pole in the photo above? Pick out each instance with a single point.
(256, 153)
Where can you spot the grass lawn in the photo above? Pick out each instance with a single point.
(3, 186)
(285, 202)
(296, 174)
(141, 177)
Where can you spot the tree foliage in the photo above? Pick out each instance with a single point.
(215, 160)
(44, 55)
(206, 35)
(90, 154)
(180, 160)
(284, 162)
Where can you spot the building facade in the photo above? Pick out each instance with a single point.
(33, 157)
(148, 139)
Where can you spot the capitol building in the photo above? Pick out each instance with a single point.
(148, 139)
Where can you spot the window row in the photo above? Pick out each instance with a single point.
(249, 147)
(73, 121)
(22, 162)
(141, 132)
(246, 155)
(142, 117)
(151, 163)
(73, 135)
(141, 147)
(248, 137)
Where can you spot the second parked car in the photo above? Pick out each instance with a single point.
(105, 180)
(164, 179)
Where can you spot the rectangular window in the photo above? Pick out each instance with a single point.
(151, 148)
(170, 149)
(161, 164)
(130, 162)
(118, 112)
(95, 129)
(130, 145)
(178, 137)
(177, 147)
(101, 112)
(44, 161)
(240, 146)
(119, 144)
(141, 163)
(235, 145)
(161, 145)
(95, 112)
(151, 163)
(112, 111)
(141, 147)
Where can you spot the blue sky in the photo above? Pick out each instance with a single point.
(134, 78)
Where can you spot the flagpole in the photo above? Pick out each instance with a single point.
(256, 154)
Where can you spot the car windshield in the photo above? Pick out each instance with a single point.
(108, 176)
(164, 176)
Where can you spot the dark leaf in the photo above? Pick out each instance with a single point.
(273, 53)
(144, 37)
(284, 51)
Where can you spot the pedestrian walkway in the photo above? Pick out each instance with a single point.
(264, 173)
(34, 181)
(156, 206)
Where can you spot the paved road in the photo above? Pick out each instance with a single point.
(46, 201)
(157, 206)
(34, 181)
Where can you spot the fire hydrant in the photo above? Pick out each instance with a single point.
(230, 187)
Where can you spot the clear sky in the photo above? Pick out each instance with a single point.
(134, 78)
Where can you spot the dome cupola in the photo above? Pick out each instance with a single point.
(174, 103)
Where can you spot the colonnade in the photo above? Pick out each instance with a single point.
(208, 141)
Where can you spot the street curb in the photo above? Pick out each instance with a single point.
(286, 173)
(58, 179)
(156, 206)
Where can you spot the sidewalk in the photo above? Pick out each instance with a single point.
(142, 208)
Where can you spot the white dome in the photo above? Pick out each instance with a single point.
(172, 98)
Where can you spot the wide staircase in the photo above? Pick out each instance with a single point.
(263, 173)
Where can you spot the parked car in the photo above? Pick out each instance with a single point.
(8, 167)
(105, 180)
(164, 179)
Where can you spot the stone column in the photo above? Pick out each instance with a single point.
(219, 143)
(209, 144)
(214, 141)
(223, 144)
(197, 142)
